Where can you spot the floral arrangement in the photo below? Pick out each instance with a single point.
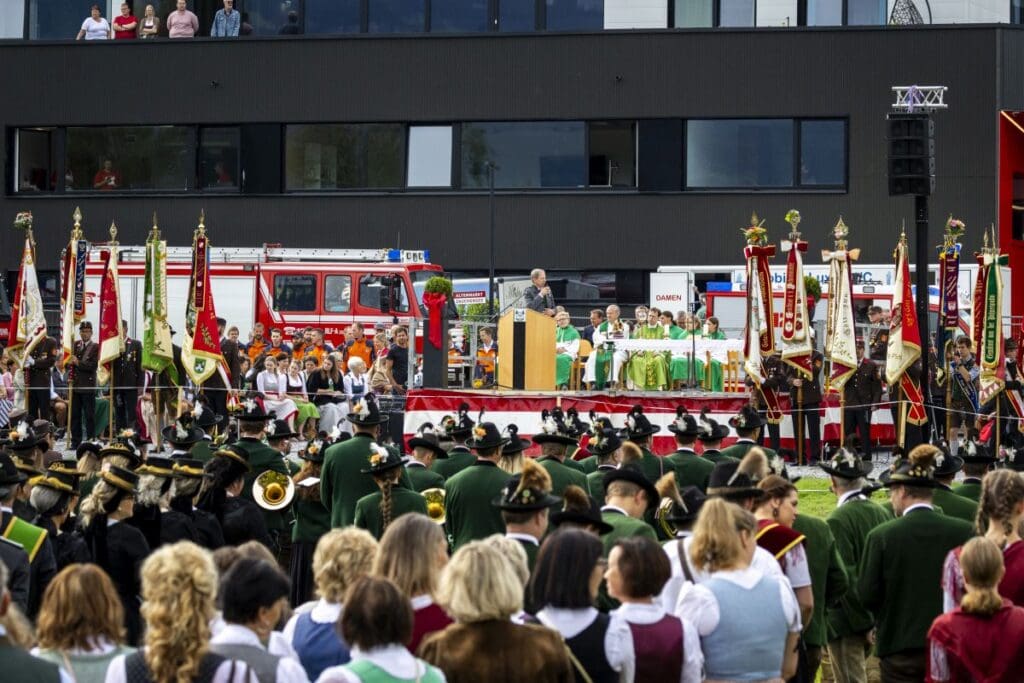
(793, 218)
(756, 234)
(955, 227)
(479, 432)
(740, 420)
(23, 221)
(18, 434)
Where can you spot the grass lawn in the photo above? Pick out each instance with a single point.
(817, 500)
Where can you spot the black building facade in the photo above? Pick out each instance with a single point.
(611, 151)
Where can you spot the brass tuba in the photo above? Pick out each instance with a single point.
(272, 490)
(435, 504)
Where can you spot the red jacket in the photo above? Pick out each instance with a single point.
(979, 649)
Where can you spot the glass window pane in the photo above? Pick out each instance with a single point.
(218, 158)
(396, 16)
(517, 15)
(822, 152)
(865, 12)
(739, 153)
(612, 154)
(269, 17)
(824, 12)
(344, 156)
(49, 20)
(430, 156)
(37, 169)
(458, 16)
(129, 158)
(533, 154)
(332, 16)
(371, 287)
(575, 15)
(736, 13)
(337, 294)
(12, 20)
(295, 292)
(694, 13)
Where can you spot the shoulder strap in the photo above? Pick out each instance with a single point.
(683, 563)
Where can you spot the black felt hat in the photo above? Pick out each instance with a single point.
(251, 410)
(516, 444)
(486, 436)
(684, 424)
(188, 468)
(9, 473)
(66, 467)
(123, 445)
(974, 453)
(88, 447)
(239, 455)
(59, 481)
(580, 508)
(528, 491)
(578, 426)
(366, 412)
(731, 482)
(554, 429)
(947, 464)
(183, 432)
(426, 437)
(637, 424)
(203, 414)
(710, 430)
(381, 460)
(120, 478)
(157, 465)
(844, 464)
(279, 429)
(460, 426)
(1013, 455)
(314, 450)
(746, 419)
(678, 507)
(22, 437)
(634, 475)
(917, 469)
(604, 441)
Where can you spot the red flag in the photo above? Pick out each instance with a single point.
(111, 333)
(905, 339)
(200, 354)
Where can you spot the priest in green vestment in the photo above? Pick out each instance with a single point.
(648, 370)
(567, 347)
(679, 368)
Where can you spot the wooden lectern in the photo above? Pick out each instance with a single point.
(526, 351)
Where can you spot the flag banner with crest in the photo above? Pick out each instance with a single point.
(111, 337)
(840, 333)
(72, 294)
(28, 324)
(905, 340)
(991, 356)
(949, 297)
(796, 323)
(157, 351)
(200, 354)
(759, 335)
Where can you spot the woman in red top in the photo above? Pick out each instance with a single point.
(413, 551)
(979, 640)
(1000, 511)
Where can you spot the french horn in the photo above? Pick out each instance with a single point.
(435, 504)
(272, 490)
(661, 516)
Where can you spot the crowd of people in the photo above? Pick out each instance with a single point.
(179, 23)
(456, 556)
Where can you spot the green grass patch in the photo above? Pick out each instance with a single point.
(815, 498)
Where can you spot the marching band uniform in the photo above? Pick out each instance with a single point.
(555, 431)
(312, 520)
(622, 524)
(529, 491)
(182, 521)
(601, 444)
(747, 422)
(368, 513)
(638, 428)
(34, 540)
(601, 359)
(862, 392)
(459, 457)
(972, 453)
(421, 477)
(342, 483)
(39, 363)
(691, 469)
(83, 377)
(947, 465)
(127, 375)
(470, 515)
(261, 458)
(809, 409)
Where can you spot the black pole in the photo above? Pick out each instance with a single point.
(490, 269)
(921, 261)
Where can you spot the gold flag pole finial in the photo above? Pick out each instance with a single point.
(839, 233)
(154, 232)
(202, 222)
(76, 231)
(113, 232)
(793, 218)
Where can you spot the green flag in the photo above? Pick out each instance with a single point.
(157, 352)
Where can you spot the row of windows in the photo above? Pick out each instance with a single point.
(53, 20)
(715, 154)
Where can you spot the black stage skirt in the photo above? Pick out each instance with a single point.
(302, 572)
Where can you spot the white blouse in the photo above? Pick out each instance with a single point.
(693, 656)
(395, 660)
(700, 605)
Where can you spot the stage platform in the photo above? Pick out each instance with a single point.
(522, 408)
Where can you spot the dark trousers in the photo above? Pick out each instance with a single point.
(903, 667)
(218, 399)
(39, 403)
(773, 433)
(858, 421)
(810, 417)
(124, 407)
(83, 404)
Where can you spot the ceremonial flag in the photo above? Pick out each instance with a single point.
(796, 323)
(72, 290)
(28, 325)
(990, 351)
(759, 335)
(840, 335)
(157, 354)
(111, 332)
(905, 339)
(949, 303)
(200, 354)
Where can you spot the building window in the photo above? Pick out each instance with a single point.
(333, 16)
(218, 159)
(337, 294)
(865, 12)
(12, 24)
(430, 156)
(295, 293)
(49, 20)
(344, 156)
(126, 158)
(267, 17)
(459, 16)
(760, 153)
(694, 13)
(612, 150)
(736, 13)
(823, 153)
(574, 15)
(396, 16)
(824, 12)
(36, 163)
(1017, 11)
(517, 15)
(526, 155)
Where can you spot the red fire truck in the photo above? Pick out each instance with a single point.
(288, 289)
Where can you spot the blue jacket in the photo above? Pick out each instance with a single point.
(226, 25)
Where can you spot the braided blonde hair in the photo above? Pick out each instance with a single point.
(1001, 492)
(179, 586)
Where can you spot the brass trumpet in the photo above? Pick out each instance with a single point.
(435, 504)
(272, 490)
